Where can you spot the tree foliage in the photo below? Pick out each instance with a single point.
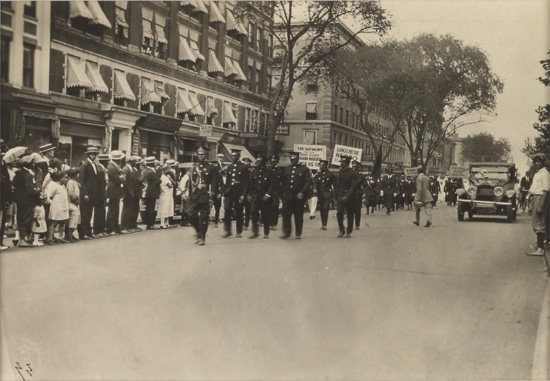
(304, 35)
(484, 147)
(428, 87)
(541, 143)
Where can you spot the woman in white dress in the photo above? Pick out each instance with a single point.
(166, 200)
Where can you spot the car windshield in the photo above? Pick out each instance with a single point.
(483, 173)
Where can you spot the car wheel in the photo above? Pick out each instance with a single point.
(509, 213)
(460, 213)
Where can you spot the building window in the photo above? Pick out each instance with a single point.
(121, 26)
(258, 75)
(336, 113)
(310, 137)
(250, 34)
(341, 115)
(251, 79)
(270, 46)
(258, 45)
(160, 37)
(148, 38)
(311, 110)
(347, 117)
(30, 9)
(28, 65)
(5, 58)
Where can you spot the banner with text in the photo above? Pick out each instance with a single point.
(205, 130)
(458, 171)
(411, 171)
(356, 153)
(311, 154)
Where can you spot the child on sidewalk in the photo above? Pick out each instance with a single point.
(39, 225)
(73, 189)
(59, 205)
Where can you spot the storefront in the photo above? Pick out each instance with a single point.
(75, 138)
(230, 142)
(157, 137)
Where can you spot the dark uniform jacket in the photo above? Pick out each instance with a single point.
(152, 183)
(219, 168)
(347, 183)
(236, 179)
(325, 184)
(90, 182)
(203, 182)
(260, 183)
(362, 185)
(116, 180)
(278, 180)
(389, 185)
(297, 179)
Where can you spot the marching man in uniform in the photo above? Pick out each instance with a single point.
(345, 196)
(325, 185)
(296, 182)
(259, 191)
(233, 192)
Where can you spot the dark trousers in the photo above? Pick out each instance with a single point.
(296, 208)
(199, 213)
(87, 208)
(348, 208)
(217, 207)
(246, 206)
(134, 214)
(126, 216)
(257, 206)
(324, 207)
(275, 211)
(389, 203)
(150, 214)
(111, 224)
(357, 209)
(3, 219)
(230, 203)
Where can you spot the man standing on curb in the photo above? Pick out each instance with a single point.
(423, 198)
(152, 192)
(114, 192)
(539, 193)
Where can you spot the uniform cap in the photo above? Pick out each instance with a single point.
(345, 158)
(321, 161)
(220, 155)
(261, 157)
(294, 155)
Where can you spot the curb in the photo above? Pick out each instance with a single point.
(541, 356)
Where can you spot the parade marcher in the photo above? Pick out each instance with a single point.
(73, 189)
(409, 188)
(371, 193)
(325, 187)
(114, 192)
(278, 173)
(345, 196)
(220, 157)
(129, 189)
(259, 190)
(539, 197)
(423, 198)
(435, 189)
(296, 183)
(166, 200)
(246, 204)
(151, 192)
(233, 193)
(358, 196)
(203, 185)
(388, 191)
(6, 193)
(26, 195)
(313, 200)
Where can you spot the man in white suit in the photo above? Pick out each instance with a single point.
(423, 198)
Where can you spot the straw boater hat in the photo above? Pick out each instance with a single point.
(103, 157)
(171, 162)
(92, 150)
(46, 147)
(117, 155)
(150, 160)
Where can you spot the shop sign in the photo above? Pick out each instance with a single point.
(205, 130)
(135, 143)
(161, 123)
(82, 130)
(260, 143)
(283, 130)
(339, 150)
(248, 134)
(311, 154)
(232, 139)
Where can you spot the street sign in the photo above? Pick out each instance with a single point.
(311, 154)
(283, 130)
(458, 171)
(205, 130)
(356, 153)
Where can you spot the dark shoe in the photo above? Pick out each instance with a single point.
(416, 223)
(298, 237)
(341, 234)
(323, 228)
(311, 217)
(49, 242)
(428, 224)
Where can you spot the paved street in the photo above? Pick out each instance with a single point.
(396, 301)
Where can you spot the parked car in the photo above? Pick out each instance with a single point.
(489, 191)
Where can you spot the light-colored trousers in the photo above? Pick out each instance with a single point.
(427, 206)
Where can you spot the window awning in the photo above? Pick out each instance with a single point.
(122, 88)
(160, 92)
(311, 107)
(148, 93)
(187, 3)
(78, 8)
(244, 152)
(198, 6)
(215, 14)
(196, 108)
(196, 51)
(98, 85)
(229, 68)
(147, 21)
(121, 17)
(97, 13)
(231, 23)
(228, 116)
(76, 74)
(160, 23)
(183, 105)
(214, 65)
(185, 53)
(240, 73)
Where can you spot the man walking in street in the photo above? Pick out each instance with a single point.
(325, 185)
(423, 198)
(233, 193)
(345, 196)
(259, 190)
(296, 183)
(278, 173)
(539, 194)
(220, 157)
(358, 196)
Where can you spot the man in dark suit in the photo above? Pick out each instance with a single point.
(89, 194)
(128, 195)
(138, 192)
(152, 191)
(278, 173)
(296, 183)
(345, 196)
(26, 194)
(259, 190)
(114, 192)
(389, 187)
(325, 187)
(6, 194)
(233, 192)
(359, 191)
(218, 164)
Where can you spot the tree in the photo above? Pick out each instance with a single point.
(428, 86)
(484, 147)
(541, 143)
(304, 36)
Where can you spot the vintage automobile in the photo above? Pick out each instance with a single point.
(489, 189)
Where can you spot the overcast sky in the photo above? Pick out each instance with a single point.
(515, 37)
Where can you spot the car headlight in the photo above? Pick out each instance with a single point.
(498, 191)
(510, 193)
(472, 191)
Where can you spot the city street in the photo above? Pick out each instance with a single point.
(458, 300)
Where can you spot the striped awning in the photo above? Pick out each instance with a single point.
(240, 74)
(159, 89)
(78, 8)
(228, 116)
(184, 104)
(196, 108)
(76, 74)
(185, 53)
(122, 88)
(198, 6)
(215, 14)
(229, 68)
(231, 23)
(160, 23)
(97, 13)
(148, 93)
(196, 51)
(214, 65)
(147, 22)
(98, 85)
